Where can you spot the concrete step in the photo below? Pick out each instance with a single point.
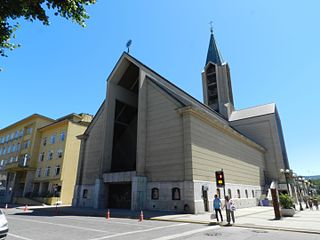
(26, 201)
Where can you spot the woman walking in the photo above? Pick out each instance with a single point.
(229, 204)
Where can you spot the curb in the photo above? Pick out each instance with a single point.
(278, 228)
(240, 225)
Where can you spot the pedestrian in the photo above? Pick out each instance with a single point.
(310, 203)
(315, 203)
(217, 207)
(230, 208)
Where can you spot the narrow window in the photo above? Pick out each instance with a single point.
(246, 192)
(57, 172)
(85, 193)
(238, 192)
(44, 141)
(53, 139)
(155, 193)
(62, 136)
(175, 194)
(47, 173)
(253, 193)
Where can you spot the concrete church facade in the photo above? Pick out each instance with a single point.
(153, 146)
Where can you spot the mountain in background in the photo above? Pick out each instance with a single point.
(312, 177)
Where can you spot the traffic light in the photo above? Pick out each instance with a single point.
(220, 178)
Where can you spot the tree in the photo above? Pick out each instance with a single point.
(32, 10)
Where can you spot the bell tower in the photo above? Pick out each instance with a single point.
(216, 82)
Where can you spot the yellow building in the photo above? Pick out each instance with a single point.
(39, 157)
(58, 156)
(18, 154)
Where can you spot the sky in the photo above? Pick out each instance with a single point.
(272, 48)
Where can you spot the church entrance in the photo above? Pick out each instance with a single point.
(120, 195)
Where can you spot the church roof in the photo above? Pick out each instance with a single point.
(179, 95)
(213, 54)
(253, 112)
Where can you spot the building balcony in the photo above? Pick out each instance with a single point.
(22, 164)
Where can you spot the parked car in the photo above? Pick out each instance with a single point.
(3, 225)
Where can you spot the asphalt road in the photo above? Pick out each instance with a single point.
(48, 227)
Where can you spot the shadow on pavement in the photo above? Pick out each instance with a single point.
(89, 212)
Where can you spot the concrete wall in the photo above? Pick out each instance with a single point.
(213, 149)
(263, 130)
(164, 153)
(90, 160)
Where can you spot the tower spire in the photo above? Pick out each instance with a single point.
(213, 54)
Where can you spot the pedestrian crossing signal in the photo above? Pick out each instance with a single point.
(220, 178)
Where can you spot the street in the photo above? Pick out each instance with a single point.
(28, 226)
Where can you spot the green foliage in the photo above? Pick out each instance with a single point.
(32, 10)
(286, 201)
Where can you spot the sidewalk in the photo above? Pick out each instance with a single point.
(306, 221)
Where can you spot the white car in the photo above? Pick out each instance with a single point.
(3, 225)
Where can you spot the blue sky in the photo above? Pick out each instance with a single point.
(272, 48)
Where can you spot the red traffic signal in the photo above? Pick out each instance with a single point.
(220, 179)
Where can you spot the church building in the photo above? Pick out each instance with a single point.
(153, 146)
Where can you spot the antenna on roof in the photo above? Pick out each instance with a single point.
(128, 45)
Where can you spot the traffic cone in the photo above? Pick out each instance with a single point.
(141, 216)
(108, 214)
(25, 208)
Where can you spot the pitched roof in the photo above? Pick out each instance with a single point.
(178, 94)
(253, 112)
(213, 54)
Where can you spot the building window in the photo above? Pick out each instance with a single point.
(238, 192)
(218, 192)
(29, 130)
(26, 144)
(47, 172)
(9, 149)
(16, 135)
(175, 194)
(4, 151)
(62, 136)
(246, 192)
(253, 193)
(18, 147)
(57, 170)
(229, 193)
(12, 136)
(21, 133)
(0, 151)
(41, 156)
(85, 193)
(155, 193)
(53, 139)
(7, 138)
(44, 141)
(38, 173)
(14, 147)
(50, 155)
(59, 153)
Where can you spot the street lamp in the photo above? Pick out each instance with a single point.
(286, 173)
(296, 181)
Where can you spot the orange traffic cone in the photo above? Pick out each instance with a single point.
(25, 208)
(108, 214)
(141, 216)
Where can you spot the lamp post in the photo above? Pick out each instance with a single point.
(296, 181)
(286, 173)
